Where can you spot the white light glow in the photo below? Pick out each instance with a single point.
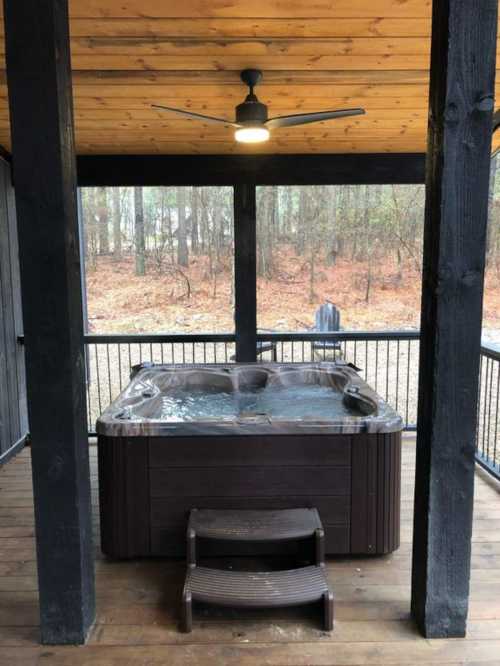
(251, 134)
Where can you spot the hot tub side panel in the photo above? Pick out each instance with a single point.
(376, 493)
(249, 472)
(124, 497)
(148, 487)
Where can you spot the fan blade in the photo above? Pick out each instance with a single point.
(304, 118)
(196, 116)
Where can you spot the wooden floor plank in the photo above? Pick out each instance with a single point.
(138, 609)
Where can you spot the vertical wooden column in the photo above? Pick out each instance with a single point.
(41, 113)
(245, 272)
(458, 159)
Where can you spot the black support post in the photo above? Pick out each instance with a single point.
(245, 272)
(41, 113)
(458, 160)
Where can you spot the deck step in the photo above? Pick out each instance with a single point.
(247, 525)
(257, 589)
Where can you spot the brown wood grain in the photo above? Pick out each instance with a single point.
(130, 54)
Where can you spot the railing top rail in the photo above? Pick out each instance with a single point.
(110, 338)
(339, 335)
(489, 349)
(278, 336)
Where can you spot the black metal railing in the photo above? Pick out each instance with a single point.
(388, 360)
(488, 422)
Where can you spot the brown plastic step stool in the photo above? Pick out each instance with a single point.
(256, 589)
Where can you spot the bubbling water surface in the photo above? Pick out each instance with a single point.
(309, 401)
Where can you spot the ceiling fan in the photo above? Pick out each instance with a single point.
(252, 124)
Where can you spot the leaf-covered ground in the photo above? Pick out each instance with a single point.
(121, 302)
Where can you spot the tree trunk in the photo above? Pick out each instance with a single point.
(288, 221)
(103, 221)
(195, 209)
(310, 230)
(301, 223)
(331, 227)
(140, 248)
(182, 246)
(274, 216)
(369, 243)
(491, 197)
(312, 295)
(355, 222)
(90, 222)
(117, 218)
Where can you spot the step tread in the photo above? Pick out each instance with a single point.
(249, 525)
(257, 589)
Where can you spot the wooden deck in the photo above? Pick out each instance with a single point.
(138, 602)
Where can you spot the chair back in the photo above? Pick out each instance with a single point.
(327, 318)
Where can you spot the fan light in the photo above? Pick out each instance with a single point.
(251, 134)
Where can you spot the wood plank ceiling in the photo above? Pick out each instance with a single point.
(315, 54)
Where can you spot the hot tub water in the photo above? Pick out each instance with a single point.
(280, 402)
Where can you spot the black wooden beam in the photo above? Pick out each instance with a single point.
(245, 272)
(458, 163)
(41, 112)
(369, 169)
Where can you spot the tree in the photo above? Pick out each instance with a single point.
(490, 243)
(266, 230)
(370, 243)
(140, 246)
(301, 238)
(195, 209)
(182, 246)
(117, 219)
(102, 204)
(90, 226)
(330, 195)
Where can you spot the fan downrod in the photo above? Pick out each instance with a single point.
(251, 77)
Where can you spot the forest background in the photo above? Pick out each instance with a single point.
(161, 259)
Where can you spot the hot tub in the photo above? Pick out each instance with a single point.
(261, 436)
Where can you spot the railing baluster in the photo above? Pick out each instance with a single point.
(489, 412)
(479, 399)
(98, 380)
(89, 399)
(484, 410)
(120, 365)
(109, 373)
(397, 376)
(387, 371)
(408, 383)
(495, 439)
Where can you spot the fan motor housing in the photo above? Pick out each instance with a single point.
(251, 111)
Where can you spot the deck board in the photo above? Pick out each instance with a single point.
(137, 602)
